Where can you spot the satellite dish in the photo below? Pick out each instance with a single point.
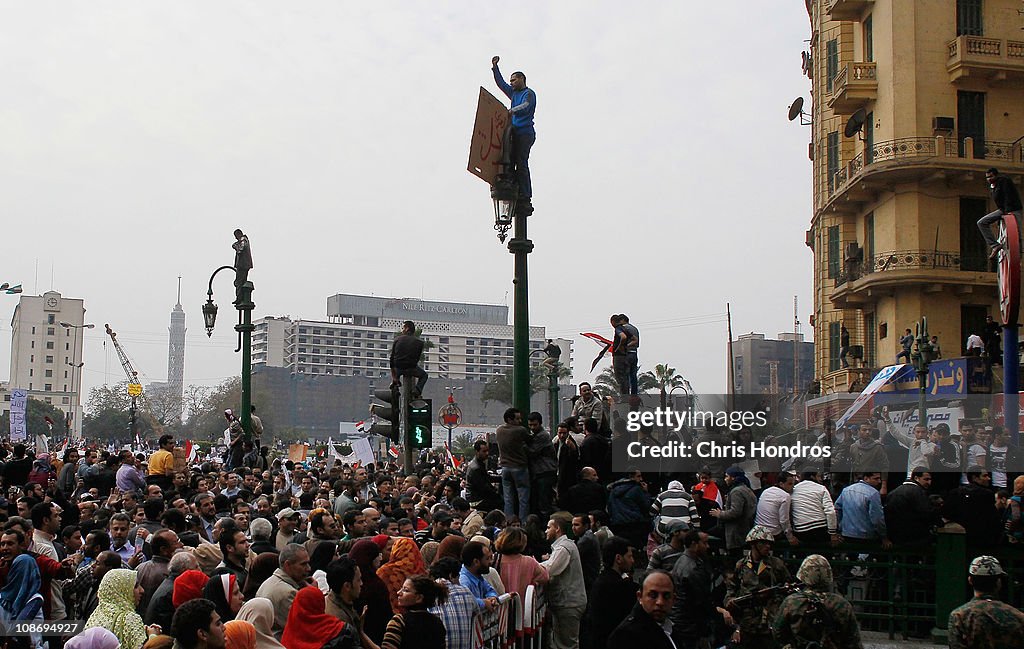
(855, 123)
(796, 108)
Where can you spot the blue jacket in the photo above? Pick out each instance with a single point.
(524, 102)
(860, 512)
(628, 502)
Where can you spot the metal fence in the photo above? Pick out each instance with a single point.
(516, 622)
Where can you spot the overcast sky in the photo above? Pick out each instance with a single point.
(135, 136)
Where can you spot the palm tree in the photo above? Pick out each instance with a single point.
(664, 378)
(607, 385)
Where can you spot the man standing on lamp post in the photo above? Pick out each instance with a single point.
(1007, 200)
(524, 103)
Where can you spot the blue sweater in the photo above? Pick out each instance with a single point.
(524, 102)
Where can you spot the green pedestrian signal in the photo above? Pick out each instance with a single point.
(420, 423)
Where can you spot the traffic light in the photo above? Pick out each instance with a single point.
(388, 413)
(420, 423)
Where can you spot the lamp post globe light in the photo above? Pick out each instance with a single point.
(244, 327)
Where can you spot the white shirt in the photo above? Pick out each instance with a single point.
(773, 511)
(974, 342)
(810, 506)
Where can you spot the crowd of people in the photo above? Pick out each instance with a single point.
(265, 553)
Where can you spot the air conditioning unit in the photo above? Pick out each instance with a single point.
(809, 239)
(810, 151)
(854, 252)
(944, 124)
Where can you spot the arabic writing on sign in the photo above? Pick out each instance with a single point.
(491, 141)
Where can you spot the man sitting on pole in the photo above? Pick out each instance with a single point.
(405, 358)
(1007, 200)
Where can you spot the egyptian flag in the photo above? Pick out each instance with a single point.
(604, 343)
(393, 451)
(451, 458)
(190, 452)
(361, 427)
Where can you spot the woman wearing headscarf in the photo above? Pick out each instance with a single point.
(310, 627)
(259, 611)
(118, 596)
(430, 549)
(239, 634)
(209, 557)
(94, 638)
(451, 546)
(188, 585)
(23, 584)
(323, 553)
(223, 591)
(374, 594)
(260, 570)
(405, 562)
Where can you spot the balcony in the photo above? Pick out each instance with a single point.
(916, 159)
(849, 9)
(992, 59)
(854, 86)
(850, 379)
(863, 282)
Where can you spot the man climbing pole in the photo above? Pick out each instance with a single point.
(524, 102)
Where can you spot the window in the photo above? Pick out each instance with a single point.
(973, 250)
(65, 400)
(832, 159)
(470, 343)
(67, 347)
(33, 329)
(968, 18)
(49, 331)
(47, 387)
(970, 121)
(49, 344)
(869, 340)
(49, 359)
(869, 138)
(831, 63)
(869, 236)
(65, 387)
(49, 373)
(869, 40)
(33, 346)
(30, 371)
(51, 319)
(834, 257)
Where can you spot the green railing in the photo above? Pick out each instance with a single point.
(910, 591)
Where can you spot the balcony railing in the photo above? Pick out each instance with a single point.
(854, 86)
(997, 58)
(911, 260)
(923, 148)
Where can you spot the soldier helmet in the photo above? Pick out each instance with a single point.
(816, 572)
(759, 533)
(986, 565)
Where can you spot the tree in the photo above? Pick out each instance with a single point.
(204, 409)
(607, 386)
(462, 444)
(499, 388)
(664, 378)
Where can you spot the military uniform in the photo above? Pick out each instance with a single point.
(756, 621)
(808, 616)
(985, 622)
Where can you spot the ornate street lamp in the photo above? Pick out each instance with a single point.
(923, 355)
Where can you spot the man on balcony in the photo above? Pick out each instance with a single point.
(906, 342)
(1007, 200)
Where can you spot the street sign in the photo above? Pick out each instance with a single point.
(451, 416)
(134, 389)
(488, 131)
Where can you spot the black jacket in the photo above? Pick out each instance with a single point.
(406, 352)
(585, 496)
(974, 507)
(1005, 196)
(909, 514)
(480, 489)
(639, 630)
(611, 600)
(161, 607)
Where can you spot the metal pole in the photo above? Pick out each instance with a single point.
(1011, 399)
(404, 394)
(245, 328)
(520, 247)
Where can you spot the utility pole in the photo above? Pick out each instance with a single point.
(732, 381)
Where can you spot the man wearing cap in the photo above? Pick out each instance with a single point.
(664, 556)
(758, 570)
(815, 614)
(737, 515)
(441, 526)
(287, 522)
(985, 621)
(671, 506)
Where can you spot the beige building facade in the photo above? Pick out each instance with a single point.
(933, 88)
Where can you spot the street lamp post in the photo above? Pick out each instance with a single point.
(509, 211)
(922, 357)
(244, 305)
(76, 366)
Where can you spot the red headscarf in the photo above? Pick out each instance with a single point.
(405, 562)
(308, 626)
(188, 586)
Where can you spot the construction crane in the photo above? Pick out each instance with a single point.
(134, 387)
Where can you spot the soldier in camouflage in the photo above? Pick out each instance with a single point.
(985, 622)
(815, 616)
(757, 570)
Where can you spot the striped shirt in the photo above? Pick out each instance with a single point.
(811, 507)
